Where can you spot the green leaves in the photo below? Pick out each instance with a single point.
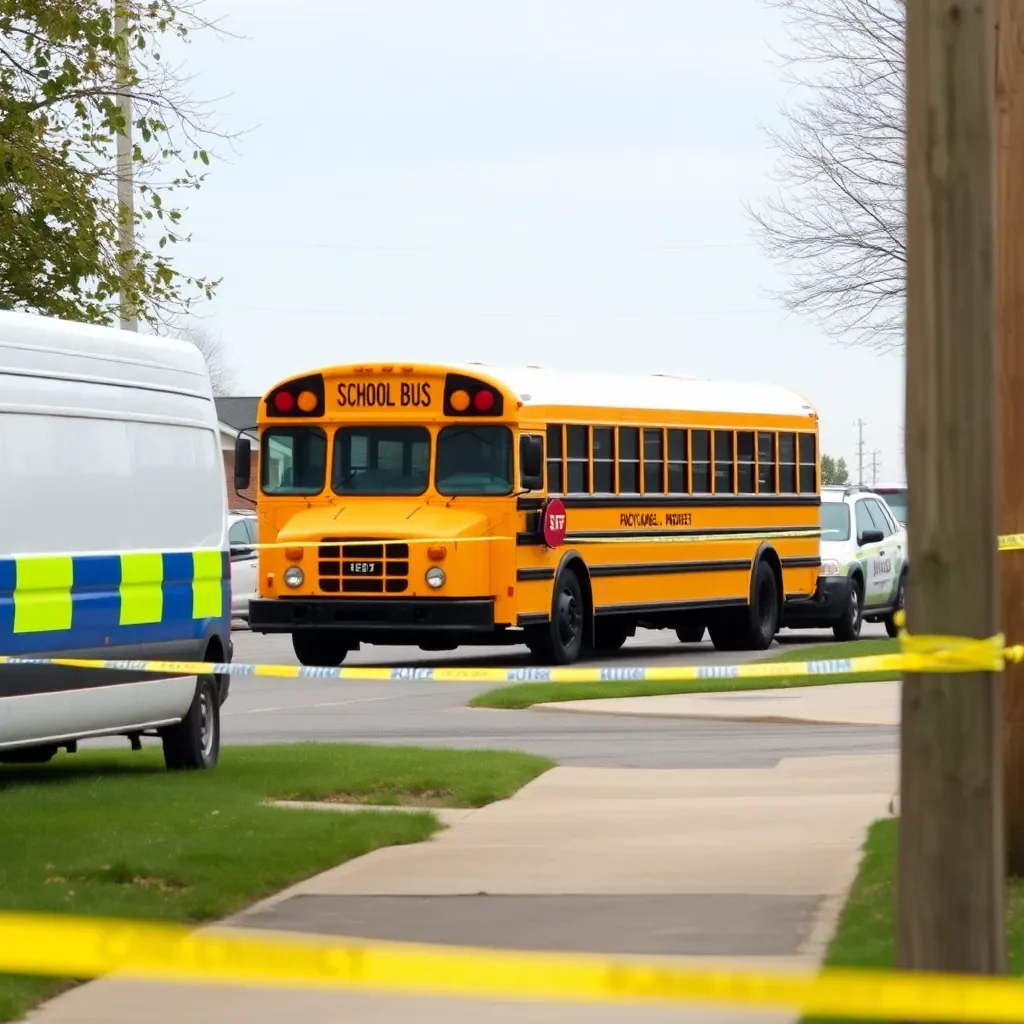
(62, 71)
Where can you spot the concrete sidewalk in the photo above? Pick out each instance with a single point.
(749, 866)
(834, 704)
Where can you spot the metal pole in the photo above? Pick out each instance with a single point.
(125, 197)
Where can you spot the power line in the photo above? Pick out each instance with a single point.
(356, 314)
(264, 243)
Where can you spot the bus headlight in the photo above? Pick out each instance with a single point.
(435, 577)
(293, 576)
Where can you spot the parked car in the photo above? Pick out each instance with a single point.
(896, 498)
(242, 534)
(863, 566)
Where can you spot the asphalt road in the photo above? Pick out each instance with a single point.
(262, 710)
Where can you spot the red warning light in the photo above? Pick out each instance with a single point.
(283, 401)
(483, 401)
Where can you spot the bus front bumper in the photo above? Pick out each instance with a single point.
(385, 615)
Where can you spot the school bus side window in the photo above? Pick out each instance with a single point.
(555, 453)
(629, 460)
(723, 462)
(654, 461)
(787, 463)
(808, 465)
(745, 462)
(295, 460)
(578, 448)
(766, 463)
(604, 460)
(678, 468)
(700, 442)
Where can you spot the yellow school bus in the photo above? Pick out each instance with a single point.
(435, 506)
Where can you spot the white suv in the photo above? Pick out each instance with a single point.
(863, 566)
(242, 534)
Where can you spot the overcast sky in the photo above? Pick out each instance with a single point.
(553, 181)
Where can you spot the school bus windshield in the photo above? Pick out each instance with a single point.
(379, 461)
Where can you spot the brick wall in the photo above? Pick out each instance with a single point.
(236, 500)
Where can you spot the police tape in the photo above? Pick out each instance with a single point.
(894, 663)
(87, 948)
(918, 654)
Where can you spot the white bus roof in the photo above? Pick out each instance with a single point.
(42, 346)
(542, 386)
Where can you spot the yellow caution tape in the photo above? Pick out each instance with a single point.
(893, 663)
(91, 948)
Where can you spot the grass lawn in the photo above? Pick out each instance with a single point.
(112, 833)
(522, 695)
(866, 933)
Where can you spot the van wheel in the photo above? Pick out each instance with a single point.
(891, 629)
(321, 648)
(753, 627)
(609, 636)
(848, 627)
(559, 641)
(194, 743)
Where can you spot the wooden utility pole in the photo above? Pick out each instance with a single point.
(952, 857)
(1010, 334)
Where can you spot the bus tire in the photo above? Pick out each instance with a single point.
(691, 633)
(609, 636)
(319, 648)
(753, 627)
(194, 743)
(560, 640)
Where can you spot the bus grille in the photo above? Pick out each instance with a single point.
(366, 567)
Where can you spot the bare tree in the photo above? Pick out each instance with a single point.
(837, 220)
(222, 374)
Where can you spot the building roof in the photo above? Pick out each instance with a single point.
(237, 412)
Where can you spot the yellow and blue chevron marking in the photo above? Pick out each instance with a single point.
(77, 602)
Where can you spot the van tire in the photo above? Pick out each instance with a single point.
(319, 648)
(891, 629)
(752, 627)
(848, 627)
(194, 743)
(560, 640)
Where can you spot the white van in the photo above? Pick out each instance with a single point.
(113, 539)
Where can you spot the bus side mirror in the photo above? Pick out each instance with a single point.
(243, 463)
(531, 463)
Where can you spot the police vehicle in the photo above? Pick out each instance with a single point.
(113, 540)
(863, 566)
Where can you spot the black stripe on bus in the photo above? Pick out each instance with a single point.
(658, 607)
(538, 573)
(670, 500)
(530, 537)
(670, 568)
(668, 535)
(532, 619)
(808, 562)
